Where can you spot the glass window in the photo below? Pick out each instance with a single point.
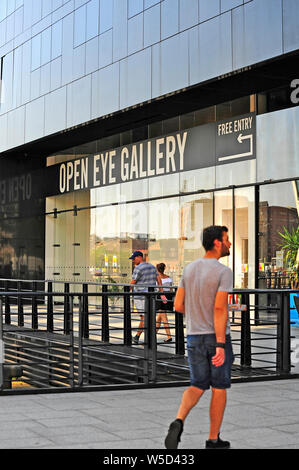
(234, 108)
(92, 19)
(197, 180)
(36, 52)
(244, 238)
(164, 185)
(236, 173)
(80, 26)
(196, 213)
(203, 116)
(46, 46)
(105, 262)
(224, 216)
(133, 234)
(278, 229)
(56, 39)
(164, 230)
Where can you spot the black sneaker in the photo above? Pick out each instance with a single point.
(135, 339)
(174, 433)
(168, 340)
(219, 444)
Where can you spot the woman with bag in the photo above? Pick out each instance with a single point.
(163, 307)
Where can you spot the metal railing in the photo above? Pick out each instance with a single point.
(83, 340)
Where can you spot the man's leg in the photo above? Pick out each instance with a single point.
(190, 398)
(141, 326)
(217, 408)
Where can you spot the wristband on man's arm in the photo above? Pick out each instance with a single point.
(220, 345)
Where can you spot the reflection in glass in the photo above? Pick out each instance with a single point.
(197, 180)
(244, 238)
(278, 220)
(224, 216)
(164, 229)
(236, 173)
(164, 185)
(196, 213)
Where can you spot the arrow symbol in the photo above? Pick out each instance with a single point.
(240, 139)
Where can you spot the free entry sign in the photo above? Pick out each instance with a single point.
(236, 139)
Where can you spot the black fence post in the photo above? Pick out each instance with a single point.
(245, 332)
(50, 322)
(153, 336)
(179, 334)
(279, 340)
(286, 333)
(72, 355)
(147, 341)
(66, 327)
(7, 304)
(34, 308)
(20, 306)
(85, 312)
(127, 318)
(105, 314)
(80, 344)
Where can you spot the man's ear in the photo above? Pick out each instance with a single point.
(217, 243)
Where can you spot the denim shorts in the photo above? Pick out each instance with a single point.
(203, 374)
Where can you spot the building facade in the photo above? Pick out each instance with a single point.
(133, 124)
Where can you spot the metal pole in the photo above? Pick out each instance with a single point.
(286, 332)
(85, 312)
(127, 318)
(279, 340)
(105, 315)
(20, 306)
(146, 339)
(153, 336)
(50, 323)
(66, 309)
(245, 332)
(179, 334)
(71, 342)
(34, 308)
(80, 344)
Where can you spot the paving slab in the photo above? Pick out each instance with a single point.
(259, 415)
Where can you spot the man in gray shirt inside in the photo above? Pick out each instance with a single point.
(203, 297)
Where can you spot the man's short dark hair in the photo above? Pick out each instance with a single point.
(212, 233)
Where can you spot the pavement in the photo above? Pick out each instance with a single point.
(259, 415)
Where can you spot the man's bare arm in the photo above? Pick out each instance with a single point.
(220, 321)
(179, 301)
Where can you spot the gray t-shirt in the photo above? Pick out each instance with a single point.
(201, 280)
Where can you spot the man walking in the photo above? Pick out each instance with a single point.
(144, 273)
(203, 296)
